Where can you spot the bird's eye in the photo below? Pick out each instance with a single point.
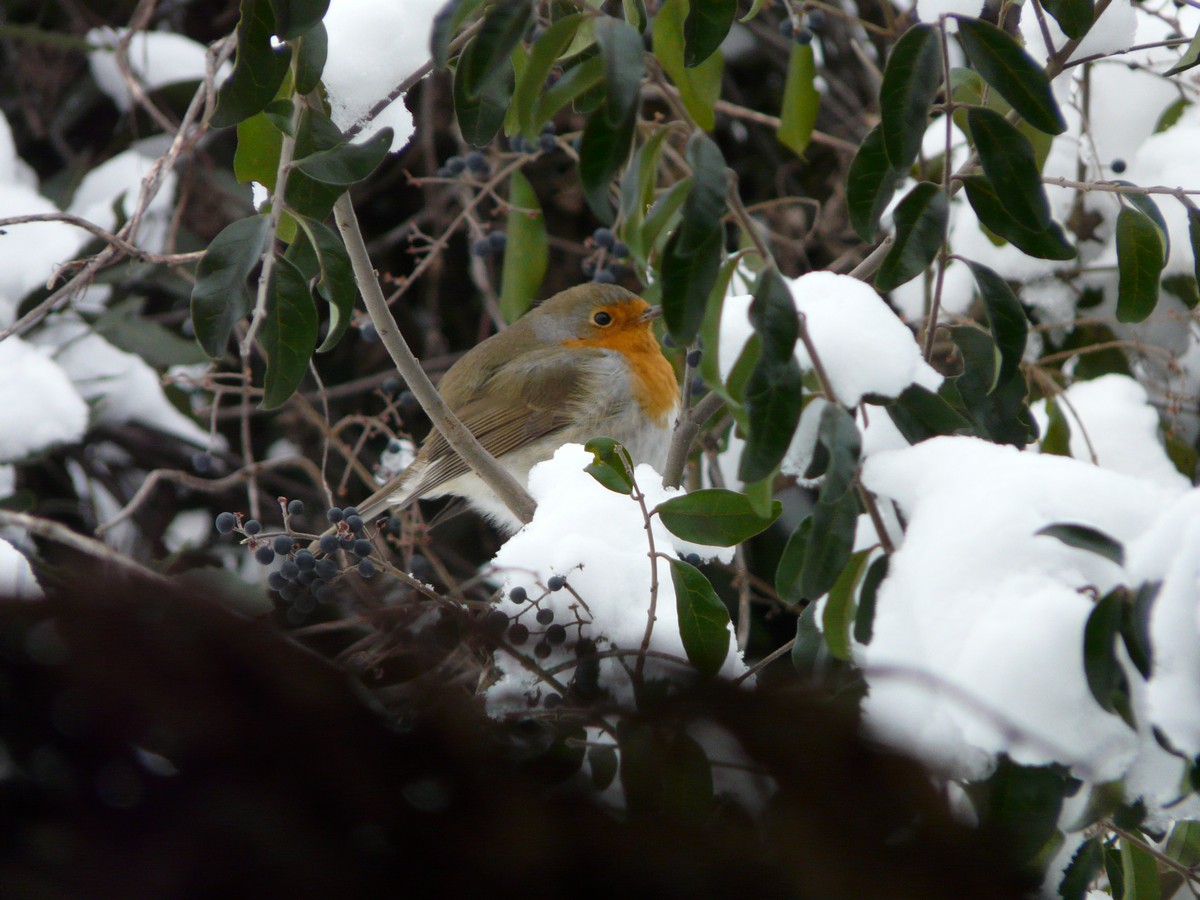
(602, 319)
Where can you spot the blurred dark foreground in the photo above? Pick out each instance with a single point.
(155, 745)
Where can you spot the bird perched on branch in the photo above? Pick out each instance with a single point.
(583, 364)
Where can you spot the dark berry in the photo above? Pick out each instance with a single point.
(495, 622)
(518, 634)
(803, 36)
(363, 547)
(550, 128)
(482, 247)
(477, 162)
(603, 237)
(335, 515)
(306, 578)
(518, 595)
(296, 508)
(265, 555)
(556, 634)
(326, 569)
(455, 164)
(547, 143)
(202, 463)
(283, 544)
(394, 447)
(407, 401)
(498, 240)
(517, 144)
(545, 616)
(693, 358)
(816, 19)
(346, 541)
(552, 701)
(355, 523)
(252, 526)
(305, 560)
(620, 249)
(366, 568)
(390, 386)
(442, 172)
(289, 570)
(369, 333)
(395, 525)
(291, 592)
(275, 581)
(589, 268)
(786, 28)
(1118, 166)
(329, 543)
(605, 276)
(692, 559)
(556, 582)
(226, 522)
(541, 650)
(350, 511)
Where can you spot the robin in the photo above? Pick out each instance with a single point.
(583, 364)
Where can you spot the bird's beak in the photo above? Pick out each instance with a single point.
(650, 314)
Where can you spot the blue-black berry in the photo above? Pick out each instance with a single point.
(329, 543)
(693, 358)
(455, 165)
(786, 28)
(477, 162)
(289, 570)
(556, 634)
(326, 569)
(291, 592)
(275, 581)
(495, 622)
(362, 547)
(518, 595)
(545, 616)
(605, 276)
(305, 560)
(693, 559)
(252, 527)
(550, 128)
(366, 568)
(225, 522)
(355, 522)
(803, 36)
(547, 143)
(350, 511)
(517, 144)
(498, 240)
(296, 508)
(620, 249)
(1118, 166)
(518, 634)
(541, 650)
(335, 515)
(603, 237)
(552, 701)
(556, 582)
(482, 247)
(265, 555)
(816, 19)
(283, 544)
(390, 386)
(202, 463)
(307, 577)
(369, 333)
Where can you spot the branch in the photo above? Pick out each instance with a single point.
(61, 534)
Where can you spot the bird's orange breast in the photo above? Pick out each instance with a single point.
(652, 380)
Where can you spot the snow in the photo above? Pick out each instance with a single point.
(156, 59)
(596, 538)
(30, 253)
(373, 47)
(39, 407)
(16, 577)
(117, 182)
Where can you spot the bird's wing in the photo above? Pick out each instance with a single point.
(512, 408)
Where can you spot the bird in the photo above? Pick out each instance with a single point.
(583, 364)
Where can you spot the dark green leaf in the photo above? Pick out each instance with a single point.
(1006, 318)
(279, 113)
(791, 563)
(665, 208)
(124, 326)
(348, 164)
(577, 81)
(257, 155)
(707, 23)
(864, 619)
(1074, 17)
(997, 409)
(622, 52)
(699, 87)
(445, 25)
(609, 131)
(714, 517)
(258, 68)
(1145, 204)
(1135, 626)
(1190, 58)
(1183, 288)
(1048, 243)
(1008, 161)
(687, 281)
(810, 654)
(1010, 70)
(1183, 844)
(527, 252)
(488, 53)
(801, 100)
(1105, 674)
(542, 58)
(1087, 538)
(705, 204)
(635, 13)
(289, 333)
(1057, 441)
(920, 219)
(1193, 216)
(295, 17)
(1140, 872)
(830, 545)
(610, 465)
(839, 613)
(870, 185)
(480, 114)
(1140, 261)
(637, 191)
(305, 195)
(220, 297)
(910, 83)
(314, 49)
(703, 618)
(319, 253)
(920, 414)
(1018, 808)
(838, 436)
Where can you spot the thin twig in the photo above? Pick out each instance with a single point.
(61, 534)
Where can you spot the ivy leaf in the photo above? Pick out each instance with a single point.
(1140, 261)
(542, 58)
(870, 184)
(707, 23)
(220, 297)
(526, 252)
(910, 83)
(310, 64)
(1008, 161)
(480, 109)
(715, 517)
(1190, 58)
(1006, 318)
(921, 219)
(445, 25)
(1012, 72)
(919, 414)
(839, 613)
(296, 17)
(703, 618)
(319, 253)
(346, 164)
(256, 158)
(1074, 17)
(998, 410)
(258, 68)
(864, 619)
(838, 438)
(1048, 243)
(1084, 537)
(818, 551)
(801, 100)
(1057, 440)
(1105, 675)
(700, 85)
(289, 333)
(609, 465)
(609, 131)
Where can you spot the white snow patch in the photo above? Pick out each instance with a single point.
(39, 407)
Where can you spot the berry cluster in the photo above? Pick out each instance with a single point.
(801, 29)
(493, 243)
(474, 162)
(600, 265)
(547, 141)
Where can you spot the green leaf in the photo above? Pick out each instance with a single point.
(527, 251)
(703, 618)
(1084, 537)
(810, 653)
(320, 253)
(1057, 440)
(1183, 288)
(124, 326)
(663, 212)
(1018, 808)
(838, 617)
(705, 204)
(1190, 58)
(699, 86)
(801, 100)
(296, 17)
(1183, 843)
(1008, 161)
(1047, 243)
(1074, 17)
(258, 68)
(838, 437)
(610, 465)
(289, 333)
(714, 517)
(1135, 626)
(542, 58)
(1006, 318)
(920, 219)
(824, 553)
(920, 414)
(576, 81)
(1140, 262)
(257, 155)
(635, 13)
(480, 114)
(870, 185)
(864, 619)
(707, 24)
(1105, 675)
(1193, 216)
(488, 53)
(910, 83)
(310, 64)
(1140, 871)
(637, 192)
(997, 409)
(445, 26)
(1012, 72)
(347, 164)
(1145, 204)
(306, 196)
(220, 297)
